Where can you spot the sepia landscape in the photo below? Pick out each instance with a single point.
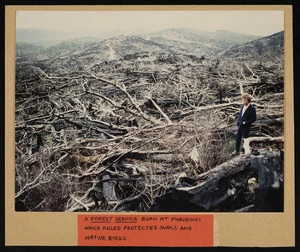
(147, 122)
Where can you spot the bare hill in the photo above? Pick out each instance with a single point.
(270, 47)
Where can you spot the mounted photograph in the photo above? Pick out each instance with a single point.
(149, 111)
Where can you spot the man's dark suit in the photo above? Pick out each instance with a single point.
(244, 123)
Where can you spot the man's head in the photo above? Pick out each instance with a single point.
(246, 98)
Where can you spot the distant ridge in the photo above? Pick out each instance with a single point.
(269, 46)
(220, 43)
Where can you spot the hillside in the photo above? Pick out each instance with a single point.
(114, 125)
(197, 42)
(27, 52)
(271, 47)
(117, 47)
(171, 40)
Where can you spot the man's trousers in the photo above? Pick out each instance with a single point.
(243, 132)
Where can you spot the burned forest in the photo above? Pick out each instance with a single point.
(129, 124)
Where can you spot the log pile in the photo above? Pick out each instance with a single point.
(95, 135)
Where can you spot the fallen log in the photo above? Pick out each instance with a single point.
(247, 142)
(226, 187)
(271, 122)
(219, 189)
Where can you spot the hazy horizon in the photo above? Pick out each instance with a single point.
(95, 23)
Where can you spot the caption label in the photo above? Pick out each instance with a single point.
(145, 230)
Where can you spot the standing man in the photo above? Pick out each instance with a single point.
(246, 117)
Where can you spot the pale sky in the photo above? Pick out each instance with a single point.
(255, 22)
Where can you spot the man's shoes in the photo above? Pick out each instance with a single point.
(235, 153)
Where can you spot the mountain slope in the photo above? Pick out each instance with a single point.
(173, 40)
(26, 51)
(116, 47)
(199, 42)
(270, 46)
(223, 44)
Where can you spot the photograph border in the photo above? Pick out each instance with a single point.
(230, 229)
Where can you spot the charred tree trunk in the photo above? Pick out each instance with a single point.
(226, 187)
(268, 167)
(219, 189)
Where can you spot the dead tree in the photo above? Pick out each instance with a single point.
(268, 167)
(225, 188)
(219, 189)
